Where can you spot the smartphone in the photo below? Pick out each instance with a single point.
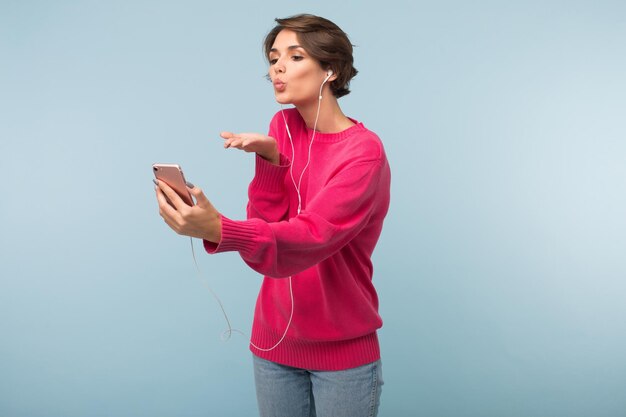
(172, 175)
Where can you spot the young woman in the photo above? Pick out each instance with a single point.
(315, 213)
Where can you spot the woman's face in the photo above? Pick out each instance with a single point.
(296, 76)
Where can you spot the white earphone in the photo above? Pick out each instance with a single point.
(297, 186)
(328, 75)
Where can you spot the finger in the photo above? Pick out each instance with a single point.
(165, 209)
(229, 136)
(172, 224)
(244, 145)
(235, 143)
(172, 196)
(228, 143)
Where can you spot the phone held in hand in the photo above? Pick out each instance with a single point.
(172, 175)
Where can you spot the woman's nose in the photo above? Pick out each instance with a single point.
(279, 67)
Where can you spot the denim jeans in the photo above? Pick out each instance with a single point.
(283, 391)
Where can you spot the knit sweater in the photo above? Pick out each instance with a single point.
(326, 248)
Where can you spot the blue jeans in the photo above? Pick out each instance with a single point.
(283, 391)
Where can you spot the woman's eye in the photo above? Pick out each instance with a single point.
(297, 58)
(273, 61)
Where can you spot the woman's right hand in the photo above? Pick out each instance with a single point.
(262, 145)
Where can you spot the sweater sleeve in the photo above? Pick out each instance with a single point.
(329, 221)
(267, 198)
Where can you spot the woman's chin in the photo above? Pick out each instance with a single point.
(281, 99)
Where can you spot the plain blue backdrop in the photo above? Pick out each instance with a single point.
(501, 269)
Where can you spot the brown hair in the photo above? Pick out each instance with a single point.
(325, 42)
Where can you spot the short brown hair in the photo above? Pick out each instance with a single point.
(325, 42)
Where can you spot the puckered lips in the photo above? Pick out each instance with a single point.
(279, 85)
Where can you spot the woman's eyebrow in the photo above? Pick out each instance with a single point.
(289, 48)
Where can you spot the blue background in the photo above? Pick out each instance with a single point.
(501, 267)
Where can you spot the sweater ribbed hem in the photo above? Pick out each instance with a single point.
(338, 136)
(236, 236)
(293, 116)
(318, 356)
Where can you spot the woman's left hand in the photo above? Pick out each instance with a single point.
(202, 220)
(263, 145)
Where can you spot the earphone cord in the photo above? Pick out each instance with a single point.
(226, 334)
(286, 328)
(317, 115)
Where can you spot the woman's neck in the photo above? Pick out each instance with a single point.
(331, 119)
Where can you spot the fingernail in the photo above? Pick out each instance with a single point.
(190, 185)
(155, 182)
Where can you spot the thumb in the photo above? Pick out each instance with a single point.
(197, 193)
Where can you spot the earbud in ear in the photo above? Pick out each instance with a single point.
(328, 75)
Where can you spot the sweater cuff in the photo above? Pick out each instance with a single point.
(268, 176)
(236, 236)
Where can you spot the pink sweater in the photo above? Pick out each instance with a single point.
(326, 249)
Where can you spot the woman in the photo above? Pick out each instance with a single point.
(315, 212)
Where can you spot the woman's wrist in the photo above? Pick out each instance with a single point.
(214, 233)
(273, 159)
